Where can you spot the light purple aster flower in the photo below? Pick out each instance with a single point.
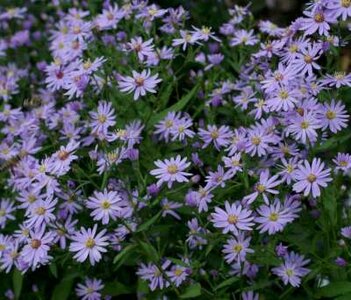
(338, 79)
(142, 49)
(244, 37)
(90, 290)
(154, 275)
(196, 236)
(346, 232)
(87, 243)
(265, 185)
(178, 274)
(168, 208)
(304, 127)
(250, 295)
(236, 248)
(140, 83)
(334, 116)
(11, 257)
(305, 62)
(103, 118)
(274, 217)
(259, 141)
(41, 213)
(187, 38)
(6, 210)
(339, 8)
(220, 137)
(292, 269)
(282, 99)
(217, 178)
(342, 162)
(171, 170)
(233, 218)
(309, 177)
(288, 169)
(105, 205)
(317, 21)
(167, 126)
(64, 231)
(35, 253)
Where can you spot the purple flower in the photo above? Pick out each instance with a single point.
(346, 232)
(317, 20)
(233, 218)
(6, 210)
(105, 205)
(334, 116)
(311, 177)
(87, 243)
(186, 39)
(339, 8)
(168, 208)
(196, 236)
(250, 295)
(90, 290)
(41, 213)
(154, 275)
(292, 269)
(281, 250)
(236, 248)
(178, 274)
(341, 262)
(35, 253)
(142, 49)
(218, 136)
(265, 185)
(171, 170)
(140, 83)
(342, 162)
(259, 141)
(274, 217)
(305, 62)
(103, 118)
(338, 79)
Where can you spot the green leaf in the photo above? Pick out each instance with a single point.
(335, 289)
(62, 291)
(227, 282)
(175, 107)
(116, 288)
(191, 291)
(148, 223)
(17, 281)
(53, 269)
(344, 297)
(119, 257)
(149, 251)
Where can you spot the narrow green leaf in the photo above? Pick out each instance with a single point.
(191, 291)
(53, 269)
(335, 289)
(62, 291)
(149, 251)
(116, 288)
(17, 281)
(227, 282)
(123, 253)
(148, 223)
(175, 107)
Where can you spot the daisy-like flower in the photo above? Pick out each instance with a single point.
(339, 8)
(60, 161)
(167, 126)
(196, 236)
(338, 79)
(288, 169)
(305, 62)
(346, 232)
(142, 49)
(220, 137)
(317, 20)
(6, 210)
(140, 83)
(105, 205)
(171, 170)
(292, 269)
(274, 217)
(244, 37)
(334, 116)
(304, 127)
(265, 185)
(233, 218)
(169, 207)
(186, 39)
(90, 290)
(87, 242)
(35, 253)
(236, 248)
(310, 177)
(282, 100)
(154, 275)
(259, 141)
(41, 213)
(342, 162)
(103, 118)
(178, 274)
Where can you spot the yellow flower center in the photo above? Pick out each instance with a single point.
(345, 3)
(214, 134)
(339, 75)
(90, 243)
(260, 188)
(343, 163)
(102, 118)
(283, 94)
(178, 272)
(40, 210)
(63, 155)
(319, 17)
(273, 217)
(232, 219)
(293, 48)
(330, 115)
(289, 272)
(304, 125)
(139, 81)
(2, 247)
(308, 59)
(237, 248)
(172, 169)
(289, 168)
(256, 140)
(105, 204)
(311, 178)
(169, 123)
(2, 212)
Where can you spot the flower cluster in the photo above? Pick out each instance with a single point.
(140, 148)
